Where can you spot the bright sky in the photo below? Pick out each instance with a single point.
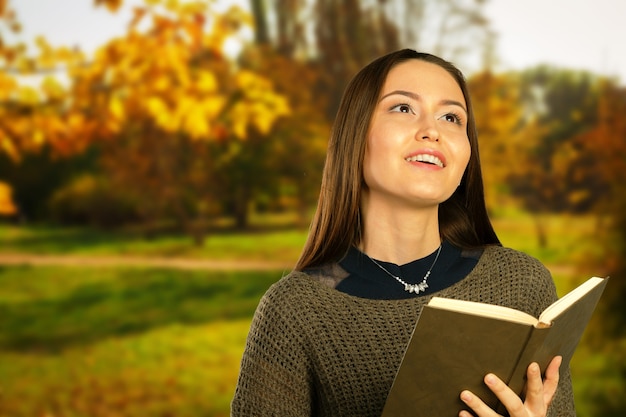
(577, 34)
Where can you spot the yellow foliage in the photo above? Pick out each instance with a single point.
(116, 108)
(38, 137)
(162, 83)
(7, 86)
(212, 106)
(161, 114)
(206, 82)
(28, 96)
(172, 4)
(8, 147)
(172, 72)
(259, 107)
(195, 123)
(51, 87)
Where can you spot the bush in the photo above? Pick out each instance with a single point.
(92, 201)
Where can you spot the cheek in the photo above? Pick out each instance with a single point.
(461, 150)
(464, 154)
(374, 158)
(368, 164)
(467, 152)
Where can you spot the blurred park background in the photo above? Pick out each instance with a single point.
(154, 185)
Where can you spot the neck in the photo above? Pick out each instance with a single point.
(399, 234)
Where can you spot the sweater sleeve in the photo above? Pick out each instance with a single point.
(274, 375)
(542, 294)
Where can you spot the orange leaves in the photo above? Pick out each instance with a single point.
(168, 73)
(174, 74)
(7, 206)
(8, 85)
(112, 5)
(7, 14)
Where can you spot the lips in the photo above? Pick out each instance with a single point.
(427, 158)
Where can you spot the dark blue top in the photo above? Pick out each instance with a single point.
(367, 280)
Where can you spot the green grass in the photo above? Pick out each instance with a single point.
(570, 239)
(90, 342)
(48, 309)
(175, 370)
(278, 245)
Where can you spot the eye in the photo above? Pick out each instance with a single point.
(401, 108)
(452, 118)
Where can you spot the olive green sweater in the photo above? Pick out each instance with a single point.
(315, 351)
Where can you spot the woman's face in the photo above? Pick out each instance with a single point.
(417, 146)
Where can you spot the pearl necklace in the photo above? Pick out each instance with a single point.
(411, 288)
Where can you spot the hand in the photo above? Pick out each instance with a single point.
(539, 394)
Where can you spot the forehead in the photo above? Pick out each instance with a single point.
(423, 78)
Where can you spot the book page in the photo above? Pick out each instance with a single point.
(553, 311)
(484, 310)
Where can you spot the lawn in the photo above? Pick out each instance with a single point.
(277, 245)
(127, 342)
(172, 370)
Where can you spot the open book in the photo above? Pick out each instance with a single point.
(456, 343)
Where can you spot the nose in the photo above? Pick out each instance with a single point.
(427, 130)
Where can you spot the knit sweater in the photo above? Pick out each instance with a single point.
(315, 351)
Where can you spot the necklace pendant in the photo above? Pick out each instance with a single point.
(416, 288)
(412, 288)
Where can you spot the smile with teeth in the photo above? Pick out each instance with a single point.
(429, 159)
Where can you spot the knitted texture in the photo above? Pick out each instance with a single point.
(315, 351)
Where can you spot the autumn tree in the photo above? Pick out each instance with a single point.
(553, 175)
(168, 124)
(31, 118)
(603, 152)
(299, 141)
(499, 122)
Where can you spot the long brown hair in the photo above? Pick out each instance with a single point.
(336, 225)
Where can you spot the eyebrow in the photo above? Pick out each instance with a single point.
(417, 97)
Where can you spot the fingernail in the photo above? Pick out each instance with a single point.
(490, 379)
(466, 396)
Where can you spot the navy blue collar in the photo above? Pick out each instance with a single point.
(367, 280)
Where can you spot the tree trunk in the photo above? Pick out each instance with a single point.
(261, 36)
(240, 206)
(542, 231)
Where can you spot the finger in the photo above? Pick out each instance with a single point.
(507, 397)
(476, 404)
(551, 382)
(535, 401)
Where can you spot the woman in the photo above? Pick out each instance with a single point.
(401, 217)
